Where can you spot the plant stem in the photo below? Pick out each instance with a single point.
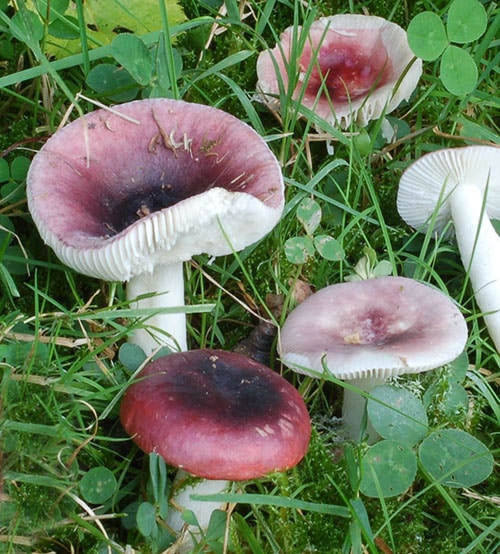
(170, 50)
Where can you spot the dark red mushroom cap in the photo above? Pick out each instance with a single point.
(217, 415)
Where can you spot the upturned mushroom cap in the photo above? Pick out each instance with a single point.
(427, 184)
(373, 329)
(357, 62)
(461, 185)
(217, 415)
(114, 197)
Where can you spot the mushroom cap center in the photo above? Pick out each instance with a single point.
(228, 394)
(348, 64)
(155, 192)
(377, 326)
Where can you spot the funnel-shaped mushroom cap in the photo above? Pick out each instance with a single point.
(351, 63)
(217, 415)
(156, 182)
(375, 328)
(427, 185)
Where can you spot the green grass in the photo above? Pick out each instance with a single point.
(63, 363)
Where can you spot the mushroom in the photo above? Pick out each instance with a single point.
(217, 415)
(351, 68)
(367, 331)
(129, 194)
(461, 185)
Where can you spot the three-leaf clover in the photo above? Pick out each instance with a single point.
(429, 38)
(299, 249)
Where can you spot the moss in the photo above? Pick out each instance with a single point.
(37, 506)
(311, 481)
(13, 132)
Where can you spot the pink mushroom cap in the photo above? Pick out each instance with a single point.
(217, 415)
(376, 328)
(351, 68)
(155, 181)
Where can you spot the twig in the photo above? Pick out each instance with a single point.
(440, 133)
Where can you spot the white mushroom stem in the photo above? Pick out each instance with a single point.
(164, 289)
(182, 489)
(479, 246)
(353, 408)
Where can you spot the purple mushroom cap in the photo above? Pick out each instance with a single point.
(217, 415)
(374, 328)
(152, 182)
